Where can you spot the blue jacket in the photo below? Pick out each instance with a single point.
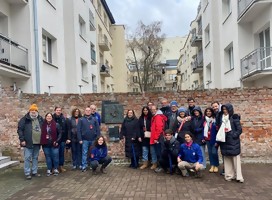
(98, 153)
(87, 128)
(191, 154)
(98, 117)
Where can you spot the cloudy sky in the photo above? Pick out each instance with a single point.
(175, 14)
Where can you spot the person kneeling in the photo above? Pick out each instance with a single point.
(190, 157)
(169, 152)
(99, 155)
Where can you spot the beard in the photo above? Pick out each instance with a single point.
(33, 115)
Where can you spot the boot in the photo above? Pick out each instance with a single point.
(212, 169)
(145, 165)
(103, 170)
(215, 169)
(61, 169)
(154, 166)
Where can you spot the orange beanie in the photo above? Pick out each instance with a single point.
(33, 107)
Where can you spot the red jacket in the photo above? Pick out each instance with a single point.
(157, 126)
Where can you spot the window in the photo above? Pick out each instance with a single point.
(172, 77)
(93, 53)
(226, 9)
(208, 73)
(265, 54)
(92, 21)
(207, 35)
(135, 89)
(185, 75)
(47, 48)
(135, 79)
(82, 27)
(195, 84)
(157, 77)
(84, 70)
(229, 60)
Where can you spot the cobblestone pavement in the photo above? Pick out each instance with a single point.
(125, 183)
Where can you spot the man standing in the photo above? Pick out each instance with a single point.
(95, 114)
(60, 119)
(172, 118)
(87, 131)
(166, 110)
(29, 131)
(191, 106)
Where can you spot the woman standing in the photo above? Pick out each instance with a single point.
(72, 137)
(230, 126)
(183, 124)
(145, 131)
(50, 138)
(131, 133)
(210, 138)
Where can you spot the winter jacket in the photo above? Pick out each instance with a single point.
(72, 129)
(172, 121)
(25, 129)
(190, 154)
(88, 128)
(98, 152)
(158, 122)
(61, 120)
(197, 126)
(55, 135)
(145, 141)
(130, 130)
(191, 110)
(98, 117)
(232, 146)
(166, 110)
(170, 147)
(186, 127)
(213, 133)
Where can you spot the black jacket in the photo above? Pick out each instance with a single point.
(197, 126)
(72, 129)
(145, 141)
(185, 129)
(232, 146)
(25, 129)
(63, 124)
(170, 147)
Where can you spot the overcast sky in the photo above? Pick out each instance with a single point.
(175, 14)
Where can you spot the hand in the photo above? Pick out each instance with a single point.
(155, 141)
(203, 141)
(132, 139)
(80, 142)
(68, 141)
(198, 166)
(55, 144)
(188, 118)
(92, 155)
(23, 144)
(178, 159)
(140, 139)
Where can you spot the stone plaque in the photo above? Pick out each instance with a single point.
(112, 112)
(114, 133)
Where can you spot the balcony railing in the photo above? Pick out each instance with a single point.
(13, 54)
(104, 70)
(256, 62)
(103, 42)
(93, 56)
(244, 5)
(92, 21)
(197, 64)
(196, 39)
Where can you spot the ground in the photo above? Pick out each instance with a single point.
(126, 183)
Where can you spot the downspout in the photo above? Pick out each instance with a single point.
(36, 40)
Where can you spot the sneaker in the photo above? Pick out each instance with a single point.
(186, 175)
(158, 169)
(48, 172)
(28, 177)
(103, 170)
(56, 172)
(36, 175)
(240, 181)
(74, 167)
(83, 169)
(80, 167)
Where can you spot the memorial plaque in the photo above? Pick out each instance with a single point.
(112, 112)
(114, 133)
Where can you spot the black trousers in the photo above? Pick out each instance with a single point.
(104, 161)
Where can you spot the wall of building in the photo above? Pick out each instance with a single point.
(254, 106)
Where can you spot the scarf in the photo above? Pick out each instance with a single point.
(188, 144)
(207, 125)
(50, 129)
(225, 126)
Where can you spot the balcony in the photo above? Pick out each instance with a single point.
(197, 64)
(103, 42)
(104, 70)
(93, 56)
(13, 59)
(257, 64)
(248, 10)
(22, 2)
(196, 39)
(92, 21)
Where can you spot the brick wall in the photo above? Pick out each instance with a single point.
(254, 106)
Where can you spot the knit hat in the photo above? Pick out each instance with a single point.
(33, 107)
(173, 103)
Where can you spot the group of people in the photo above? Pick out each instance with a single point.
(172, 139)
(175, 138)
(55, 133)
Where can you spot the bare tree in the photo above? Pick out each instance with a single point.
(145, 45)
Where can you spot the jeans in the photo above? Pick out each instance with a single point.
(145, 153)
(51, 154)
(31, 154)
(85, 150)
(155, 150)
(213, 154)
(76, 153)
(61, 153)
(203, 155)
(104, 161)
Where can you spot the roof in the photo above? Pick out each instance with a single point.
(106, 7)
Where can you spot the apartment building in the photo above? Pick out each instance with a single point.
(59, 46)
(190, 64)
(167, 78)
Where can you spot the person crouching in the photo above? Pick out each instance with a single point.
(190, 157)
(99, 155)
(170, 149)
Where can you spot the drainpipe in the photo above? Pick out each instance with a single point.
(36, 40)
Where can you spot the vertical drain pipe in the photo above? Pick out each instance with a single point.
(36, 40)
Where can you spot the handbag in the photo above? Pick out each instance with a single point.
(147, 134)
(221, 135)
